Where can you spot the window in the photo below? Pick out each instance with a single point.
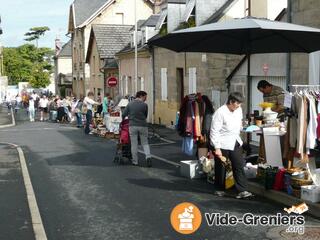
(120, 18)
(314, 68)
(93, 65)
(192, 80)
(124, 85)
(130, 85)
(164, 84)
(142, 84)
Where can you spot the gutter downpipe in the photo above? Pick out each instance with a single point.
(153, 86)
(288, 67)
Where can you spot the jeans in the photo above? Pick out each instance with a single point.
(143, 133)
(88, 118)
(31, 114)
(79, 119)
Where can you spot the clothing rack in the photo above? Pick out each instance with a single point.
(299, 86)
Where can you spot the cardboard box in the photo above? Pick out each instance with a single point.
(191, 169)
(310, 193)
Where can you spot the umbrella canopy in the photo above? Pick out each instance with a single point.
(243, 36)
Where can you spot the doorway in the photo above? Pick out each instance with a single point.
(180, 85)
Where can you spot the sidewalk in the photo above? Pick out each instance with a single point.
(254, 187)
(5, 117)
(15, 215)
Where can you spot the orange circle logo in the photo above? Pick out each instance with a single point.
(186, 218)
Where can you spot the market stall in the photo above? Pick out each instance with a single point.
(248, 36)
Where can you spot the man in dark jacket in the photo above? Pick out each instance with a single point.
(137, 112)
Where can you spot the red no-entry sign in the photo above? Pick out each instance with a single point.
(112, 81)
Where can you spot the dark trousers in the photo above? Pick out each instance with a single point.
(88, 118)
(238, 163)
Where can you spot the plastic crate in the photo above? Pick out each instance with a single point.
(310, 193)
(191, 169)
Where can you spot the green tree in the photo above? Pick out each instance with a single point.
(28, 63)
(35, 33)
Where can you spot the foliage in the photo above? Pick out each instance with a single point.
(163, 30)
(28, 63)
(35, 33)
(190, 23)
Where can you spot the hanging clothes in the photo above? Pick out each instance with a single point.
(300, 123)
(312, 125)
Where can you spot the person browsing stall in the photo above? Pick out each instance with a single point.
(137, 112)
(272, 94)
(225, 137)
(88, 102)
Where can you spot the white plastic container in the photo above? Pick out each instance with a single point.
(310, 193)
(191, 169)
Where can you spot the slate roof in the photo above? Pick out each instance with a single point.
(139, 24)
(151, 21)
(84, 9)
(110, 39)
(177, 1)
(129, 49)
(66, 50)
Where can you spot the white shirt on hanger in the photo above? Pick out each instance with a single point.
(312, 125)
(225, 128)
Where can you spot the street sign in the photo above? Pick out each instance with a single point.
(112, 81)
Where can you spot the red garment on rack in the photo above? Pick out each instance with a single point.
(318, 127)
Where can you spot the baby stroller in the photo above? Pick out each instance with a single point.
(123, 152)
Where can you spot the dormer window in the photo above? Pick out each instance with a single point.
(190, 11)
(144, 36)
(162, 19)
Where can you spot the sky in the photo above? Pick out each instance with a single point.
(18, 16)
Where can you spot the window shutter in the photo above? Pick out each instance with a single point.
(164, 84)
(192, 80)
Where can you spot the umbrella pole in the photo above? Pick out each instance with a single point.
(248, 85)
(248, 100)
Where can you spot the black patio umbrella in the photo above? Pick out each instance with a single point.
(242, 36)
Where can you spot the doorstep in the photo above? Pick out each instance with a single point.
(284, 198)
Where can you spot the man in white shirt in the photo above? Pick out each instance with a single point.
(225, 137)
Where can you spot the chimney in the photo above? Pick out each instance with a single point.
(58, 46)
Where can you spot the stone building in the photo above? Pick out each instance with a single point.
(63, 70)
(105, 41)
(126, 60)
(304, 68)
(179, 74)
(82, 15)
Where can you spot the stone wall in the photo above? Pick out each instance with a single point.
(304, 12)
(211, 72)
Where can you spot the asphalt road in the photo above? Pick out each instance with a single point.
(82, 194)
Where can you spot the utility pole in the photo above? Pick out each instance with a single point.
(135, 48)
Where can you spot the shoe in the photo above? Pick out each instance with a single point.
(220, 193)
(135, 163)
(244, 194)
(149, 162)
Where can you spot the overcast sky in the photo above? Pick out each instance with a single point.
(18, 16)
